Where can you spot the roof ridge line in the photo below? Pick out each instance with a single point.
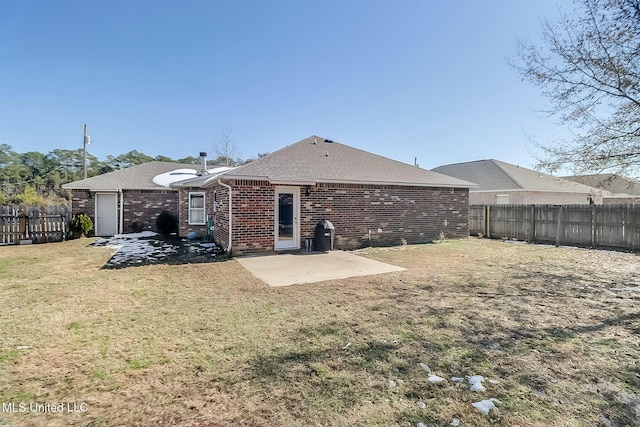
(511, 177)
(268, 155)
(464, 163)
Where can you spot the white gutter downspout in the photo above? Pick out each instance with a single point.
(228, 187)
(121, 225)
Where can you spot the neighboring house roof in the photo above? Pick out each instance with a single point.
(494, 175)
(138, 177)
(316, 160)
(611, 182)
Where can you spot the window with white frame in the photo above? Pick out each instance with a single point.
(197, 214)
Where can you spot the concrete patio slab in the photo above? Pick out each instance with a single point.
(297, 268)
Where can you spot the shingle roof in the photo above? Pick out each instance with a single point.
(494, 175)
(610, 182)
(315, 160)
(138, 177)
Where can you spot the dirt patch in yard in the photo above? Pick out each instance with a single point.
(554, 332)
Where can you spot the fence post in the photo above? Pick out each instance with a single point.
(43, 228)
(593, 225)
(484, 220)
(533, 224)
(488, 216)
(558, 226)
(23, 222)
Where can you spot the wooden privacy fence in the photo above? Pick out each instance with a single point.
(614, 226)
(33, 224)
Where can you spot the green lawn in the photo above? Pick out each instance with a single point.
(209, 344)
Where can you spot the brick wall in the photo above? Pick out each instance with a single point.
(82, 202)
(367, 215)
(142, 207)
(391, 213)
(221, 217)
(184, 228)
(253, 217)
(253, 203)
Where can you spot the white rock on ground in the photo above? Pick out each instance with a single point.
(476, 383)
(435, 379)
(486, 405)
(432, 377)
(425, 367)
(134, 235)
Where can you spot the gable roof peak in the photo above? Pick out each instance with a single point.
(496, 175)
(317, 159)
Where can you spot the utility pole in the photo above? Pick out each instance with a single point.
(85, 140)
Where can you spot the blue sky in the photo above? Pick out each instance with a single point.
(404, 79)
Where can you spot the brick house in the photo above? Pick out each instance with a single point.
(129, 200)
(274, 203)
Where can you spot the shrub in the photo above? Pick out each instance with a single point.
(166, 223)
(136, 227)
(81, 223)
(28, 197)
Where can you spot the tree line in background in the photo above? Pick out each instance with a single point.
(34, 178)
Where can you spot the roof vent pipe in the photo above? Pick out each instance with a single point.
(203, 163)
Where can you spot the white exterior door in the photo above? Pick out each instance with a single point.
(287, 212)
(106, 214)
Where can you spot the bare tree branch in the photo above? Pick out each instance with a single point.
(225, 149)
(589, 69)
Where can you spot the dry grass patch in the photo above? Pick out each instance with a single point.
(209, 343)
